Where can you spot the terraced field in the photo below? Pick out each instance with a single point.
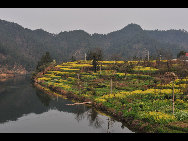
(138, 94)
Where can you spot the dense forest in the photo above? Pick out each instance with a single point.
(24, 47)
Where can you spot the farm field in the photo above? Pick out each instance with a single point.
(150, 95)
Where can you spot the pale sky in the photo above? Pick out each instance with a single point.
(96, 20)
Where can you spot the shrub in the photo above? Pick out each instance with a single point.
(182, 115)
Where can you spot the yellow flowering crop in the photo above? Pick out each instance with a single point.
(141, 68)
(111, 62)
(44, 78)
(124, 94)
(68, 69)
(158, 117)
(120, 74)
(100, 100)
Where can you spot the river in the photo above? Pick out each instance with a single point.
(26, 109)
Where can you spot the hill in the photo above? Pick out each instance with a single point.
(24, 47)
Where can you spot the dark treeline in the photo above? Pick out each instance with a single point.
(25, 47)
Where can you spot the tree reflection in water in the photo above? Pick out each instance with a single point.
(92, 116)
(94, 119)
(81, 111)
(110, 124)
(45, 99)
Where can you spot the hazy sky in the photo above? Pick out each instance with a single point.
(96, 20)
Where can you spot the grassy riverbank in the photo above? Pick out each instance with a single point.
(139, 93)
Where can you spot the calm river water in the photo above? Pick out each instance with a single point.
(25, 109)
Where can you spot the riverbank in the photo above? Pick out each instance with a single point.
(5, 75)
(133, 124)
(7, 72)
(135, 99)
(130, 123)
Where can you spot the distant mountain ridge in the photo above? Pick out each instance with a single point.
(22, 46)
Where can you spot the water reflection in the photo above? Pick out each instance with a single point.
(81, 111)
(92, 116)
(19, 99)
(45, 99)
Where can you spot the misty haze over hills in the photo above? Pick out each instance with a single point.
(22, 46)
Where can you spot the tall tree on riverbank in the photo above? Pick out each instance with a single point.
(95, 55)
(44, 62)
(95, 63)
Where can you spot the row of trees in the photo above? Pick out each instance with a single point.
(95, 55)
